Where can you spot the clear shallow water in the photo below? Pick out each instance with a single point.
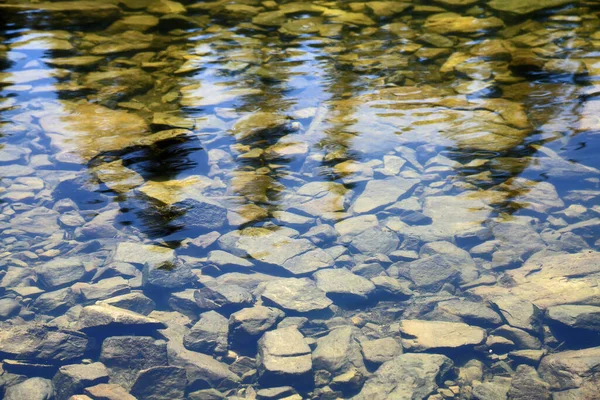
(384, 176)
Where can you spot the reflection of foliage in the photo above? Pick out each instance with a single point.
(167, 266)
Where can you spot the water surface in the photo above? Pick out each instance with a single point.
(321, 199)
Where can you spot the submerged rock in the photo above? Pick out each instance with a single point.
(284, 356)
(248, 324)
(202, 370)
(339, 353)
(209, 334)
(42, 343)
(125, 356)
(575, 316)
(571, 369)
(522, 8)
(160, 383)
(106, 317)
(527, 385)
(379, 193)
(518, 312)
(31, 389)
(298, 295)
(63, 13)
(61, 271)
(226, 296)
(454, 23)
(72, 379)
(407, 376)
(379, 351)
(342, 285)
(167, 275)
(108, 391)
(139, 253)
(430, 273)
(297, 256)
(551, 279)
(427, 335)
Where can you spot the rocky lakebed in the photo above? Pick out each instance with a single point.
(270, 199)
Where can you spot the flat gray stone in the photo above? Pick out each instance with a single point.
(61, 271)
(106, 317)
(522, 8)
(340, 353)
(36, 342)
(125, 356)
(139, 253)
(571, 369)
(575, 316)
(209, 334)
(297, 256)
(31, 389)
(407, 376)
(72, 379)
(376, 241)
(430, 273)
(421, 335)
(378, 351)
(379, 193)
(296, 294)
(249, 323)
(342, 285)
(518, 312)
(284, 356)
(160, 383)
